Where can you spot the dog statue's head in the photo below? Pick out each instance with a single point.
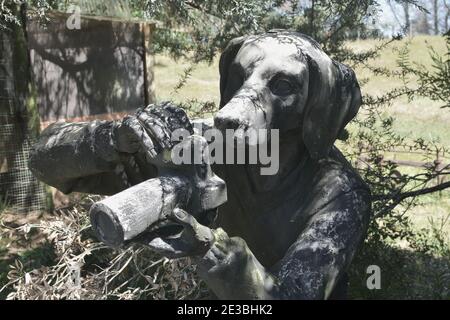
(283, 80)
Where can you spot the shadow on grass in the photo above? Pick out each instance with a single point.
(40, 256)
(405, 274)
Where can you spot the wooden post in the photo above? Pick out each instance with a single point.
(149, 62)
(439, 166)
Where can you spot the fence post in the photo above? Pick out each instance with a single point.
(149, 62)
(438, 168)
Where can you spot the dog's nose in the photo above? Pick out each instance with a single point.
(226, 122)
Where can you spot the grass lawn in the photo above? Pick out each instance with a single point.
(202, 85)
(422, 117)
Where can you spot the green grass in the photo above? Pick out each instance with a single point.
(421, 117)
(405, 273)
(202, 85)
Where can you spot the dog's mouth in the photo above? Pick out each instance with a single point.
(248, 136)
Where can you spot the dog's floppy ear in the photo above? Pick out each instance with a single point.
(226, 58)
(334, 98)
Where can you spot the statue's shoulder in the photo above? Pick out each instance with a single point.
(336, 186)
(340, 175)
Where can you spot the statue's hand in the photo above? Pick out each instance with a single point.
(194, 239)
(150, 129)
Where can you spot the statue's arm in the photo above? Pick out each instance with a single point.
(311, 266)
(78, 157)
(105, 157)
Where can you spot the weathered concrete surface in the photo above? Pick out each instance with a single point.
(127, 214)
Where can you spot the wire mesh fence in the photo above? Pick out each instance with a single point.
(18, 187)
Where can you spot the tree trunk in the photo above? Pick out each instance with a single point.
(447, 16)
(436, 16)
(407, 19)
(311, 21)
(421, 25)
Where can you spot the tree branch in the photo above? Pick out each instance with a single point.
(198, 7)
(402, 196)
(398, 198)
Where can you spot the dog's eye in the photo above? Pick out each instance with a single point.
(281, 87)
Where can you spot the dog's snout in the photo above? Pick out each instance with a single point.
(226, 122)
(240, 113)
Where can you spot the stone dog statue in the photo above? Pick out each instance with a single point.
(291, 235)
